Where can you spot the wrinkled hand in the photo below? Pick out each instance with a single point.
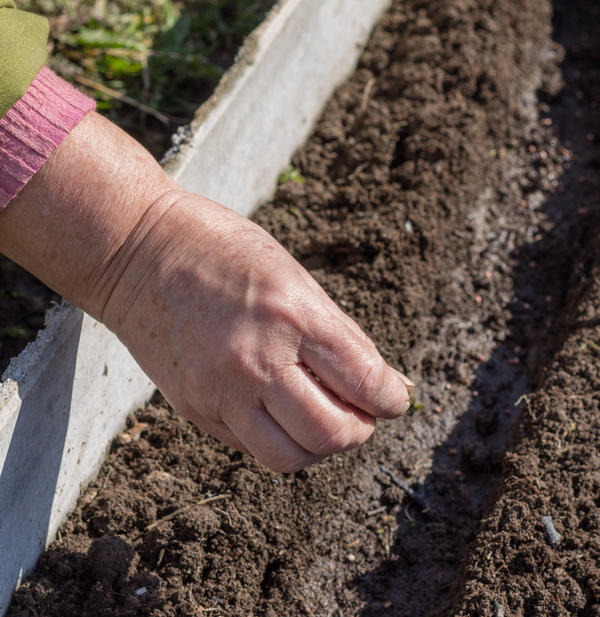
(237, 335)
(241, 339)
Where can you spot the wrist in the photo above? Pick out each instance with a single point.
(68, 223)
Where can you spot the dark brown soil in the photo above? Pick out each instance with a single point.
(443, 207)
(555, 468)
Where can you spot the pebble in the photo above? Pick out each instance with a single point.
(552, 535)
(498, 609)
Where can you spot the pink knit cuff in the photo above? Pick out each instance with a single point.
(34, 127)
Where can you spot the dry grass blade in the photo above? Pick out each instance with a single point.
(115, 94)
(182, 510)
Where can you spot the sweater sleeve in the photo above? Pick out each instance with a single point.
(23, 39)
(41, 109)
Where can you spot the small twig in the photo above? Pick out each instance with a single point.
(182, 510)
(115, 94)
(366, 95)
(525, 397)
(409, 491)
(409, 517)
(377, 511)
(193, 600)
(225, 514)
(201, 609)
(357, 171)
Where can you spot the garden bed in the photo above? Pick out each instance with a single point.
(447, 201)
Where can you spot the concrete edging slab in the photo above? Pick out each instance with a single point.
(64, 398)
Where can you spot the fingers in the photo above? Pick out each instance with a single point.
(268, 442)
(348, 362)
(313, 416)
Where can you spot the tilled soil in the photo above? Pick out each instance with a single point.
(442, 207)
(515, 566)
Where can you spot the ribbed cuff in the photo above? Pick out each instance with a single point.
(34, 127)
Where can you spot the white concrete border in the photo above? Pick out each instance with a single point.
(66, 395)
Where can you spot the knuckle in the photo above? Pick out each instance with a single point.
(282, 310)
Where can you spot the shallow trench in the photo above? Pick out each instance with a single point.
(435, 206)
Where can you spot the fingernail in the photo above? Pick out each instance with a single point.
(410, 388)
(406, 406)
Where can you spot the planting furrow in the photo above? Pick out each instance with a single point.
(518, 564)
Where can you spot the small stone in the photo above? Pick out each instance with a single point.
(498, 609)
(124, 438)
(552, 535)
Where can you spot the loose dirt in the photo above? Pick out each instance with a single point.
(555, 469)
(449, 203)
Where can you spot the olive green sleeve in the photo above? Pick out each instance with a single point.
(23, 40)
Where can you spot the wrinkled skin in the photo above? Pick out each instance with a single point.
(236, 334)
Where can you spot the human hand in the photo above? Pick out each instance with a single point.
(237, 335)
(241, 339)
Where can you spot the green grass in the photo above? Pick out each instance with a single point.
(155, 61)
(21, 333)
(291, 174)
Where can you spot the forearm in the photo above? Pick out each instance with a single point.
(78, 211)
